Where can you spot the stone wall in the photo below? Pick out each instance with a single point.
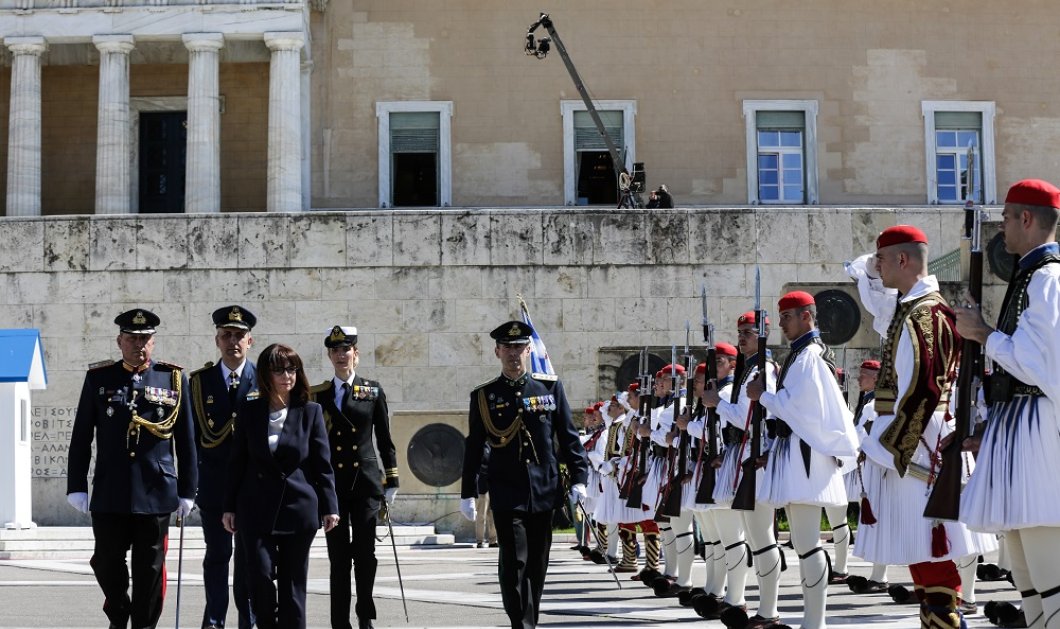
(423, 288)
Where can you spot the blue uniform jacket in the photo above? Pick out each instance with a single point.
(523, 470)
(286, 492)
(136, 470)
(214, 417)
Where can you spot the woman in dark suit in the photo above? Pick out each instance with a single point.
(280, 487)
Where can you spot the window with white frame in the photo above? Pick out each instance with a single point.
(415, 153)
(781, 151)
(588, 174)
(958, 139)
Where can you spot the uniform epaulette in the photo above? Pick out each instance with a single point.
(208, 365)
(490, 381)
(545, 377)
(173, 366)
(100, 363)
(318, 388)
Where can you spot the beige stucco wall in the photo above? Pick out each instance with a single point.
(423, 288)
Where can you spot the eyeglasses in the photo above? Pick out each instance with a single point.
(279, 371)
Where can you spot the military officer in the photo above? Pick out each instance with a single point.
(138, 413)
(527, 422)
(217, 393)
(354, 410)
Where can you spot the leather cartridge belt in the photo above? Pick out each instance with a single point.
(658, 450)
(731, 435)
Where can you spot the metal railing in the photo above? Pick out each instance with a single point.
(947, 267)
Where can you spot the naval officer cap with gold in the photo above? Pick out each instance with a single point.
(512, 333)
(234, 317)
(341, 335)
(137, 321)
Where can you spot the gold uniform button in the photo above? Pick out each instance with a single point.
(338, 448)
(354, 447)
(353, 429)
(356, 464)
(339, 466)
(132, 455)
(338, 433)
(234, 414)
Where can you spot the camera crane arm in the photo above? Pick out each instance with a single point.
(540, 49)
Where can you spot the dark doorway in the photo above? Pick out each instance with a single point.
(415, 180)
(596, 178)
(163, 148)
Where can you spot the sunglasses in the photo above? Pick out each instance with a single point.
(279, 371)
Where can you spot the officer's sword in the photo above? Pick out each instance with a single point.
(180, 566)
(397, 564)
(596, 536)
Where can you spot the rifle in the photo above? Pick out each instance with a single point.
(708, 478)
(744, 498)
(944, 503)
(673, 500)
(635, 491)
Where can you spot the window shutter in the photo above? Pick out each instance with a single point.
(958, 120)
(780, 120)
(414, 132)
(587, 138)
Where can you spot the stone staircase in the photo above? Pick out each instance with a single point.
(74, 542)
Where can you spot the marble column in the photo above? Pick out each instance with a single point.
(202, 188)
(24, 121)
(114, 131)
(284, 190)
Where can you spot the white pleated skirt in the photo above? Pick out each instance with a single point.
(1016, 482)
(723, 487)
(785, 480)
(610, 509)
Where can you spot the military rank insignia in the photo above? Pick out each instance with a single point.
(539, 403)
(253, 395)
(361, 392)
(159, 395)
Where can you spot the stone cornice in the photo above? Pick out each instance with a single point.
(26, 45)
(122, 44)
(203, 42)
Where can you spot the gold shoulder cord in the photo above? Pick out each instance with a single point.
(162, 429)
(504, 437)
(210, 438)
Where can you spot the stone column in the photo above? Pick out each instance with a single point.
(284, 192)
(23, 135)
(114, 131)
(202, 187)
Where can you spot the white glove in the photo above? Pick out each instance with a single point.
(607, 468)
(467, 507)
(78, 500)
(185, 507)
(389, 494)
(578, 494)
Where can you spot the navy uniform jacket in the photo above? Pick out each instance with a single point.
(214, 417)
(286, 492)
(137, 471)
(357, 467)
(523, 466)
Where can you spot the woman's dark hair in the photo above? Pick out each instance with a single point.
(279, 356)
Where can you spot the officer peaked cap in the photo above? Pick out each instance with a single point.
(512, 333)
(234, 317)
(341, 335)
(137, 321)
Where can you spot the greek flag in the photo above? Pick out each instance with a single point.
(539, 361)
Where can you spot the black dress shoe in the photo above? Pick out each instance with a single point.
(365, 623)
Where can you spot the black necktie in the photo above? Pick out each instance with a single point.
(345, 394)
(233, 388)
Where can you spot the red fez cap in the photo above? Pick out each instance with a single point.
(701, 368)
(589, 410)
(667, 370)
(748, 318)
(870, 364)
(634, 387)
(900, 234)
(598, 405)
(724, 349)
(795, 299)
(1034, 192)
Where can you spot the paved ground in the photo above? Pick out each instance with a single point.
(447, 587)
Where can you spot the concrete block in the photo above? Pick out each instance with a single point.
(456, 349)
(569, 238)
(213, 242)
(623, 239)
(417, 239)
(263, 241)
(614, 281)
(667, 233)
(508, 281)
(427, 315)
(137, 286)
(277, 317)
(587, 315)
(930, 221)
(369, 239)
(379, 316)
(317, 316)
(783, 235)
(297, 283)
(829, 231)
(465, 238)
(411, 282)
(722, 235)
(722, 281)
(561, 281)
(399, 350)
(66, 243)
(866, 225)
(23, 248)
(17, 315)
(647, 315)
(113, 243)
(473, 316)
(162, 243)
(448, 281)
(516, 238)
(317, 239)
(355, 283)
